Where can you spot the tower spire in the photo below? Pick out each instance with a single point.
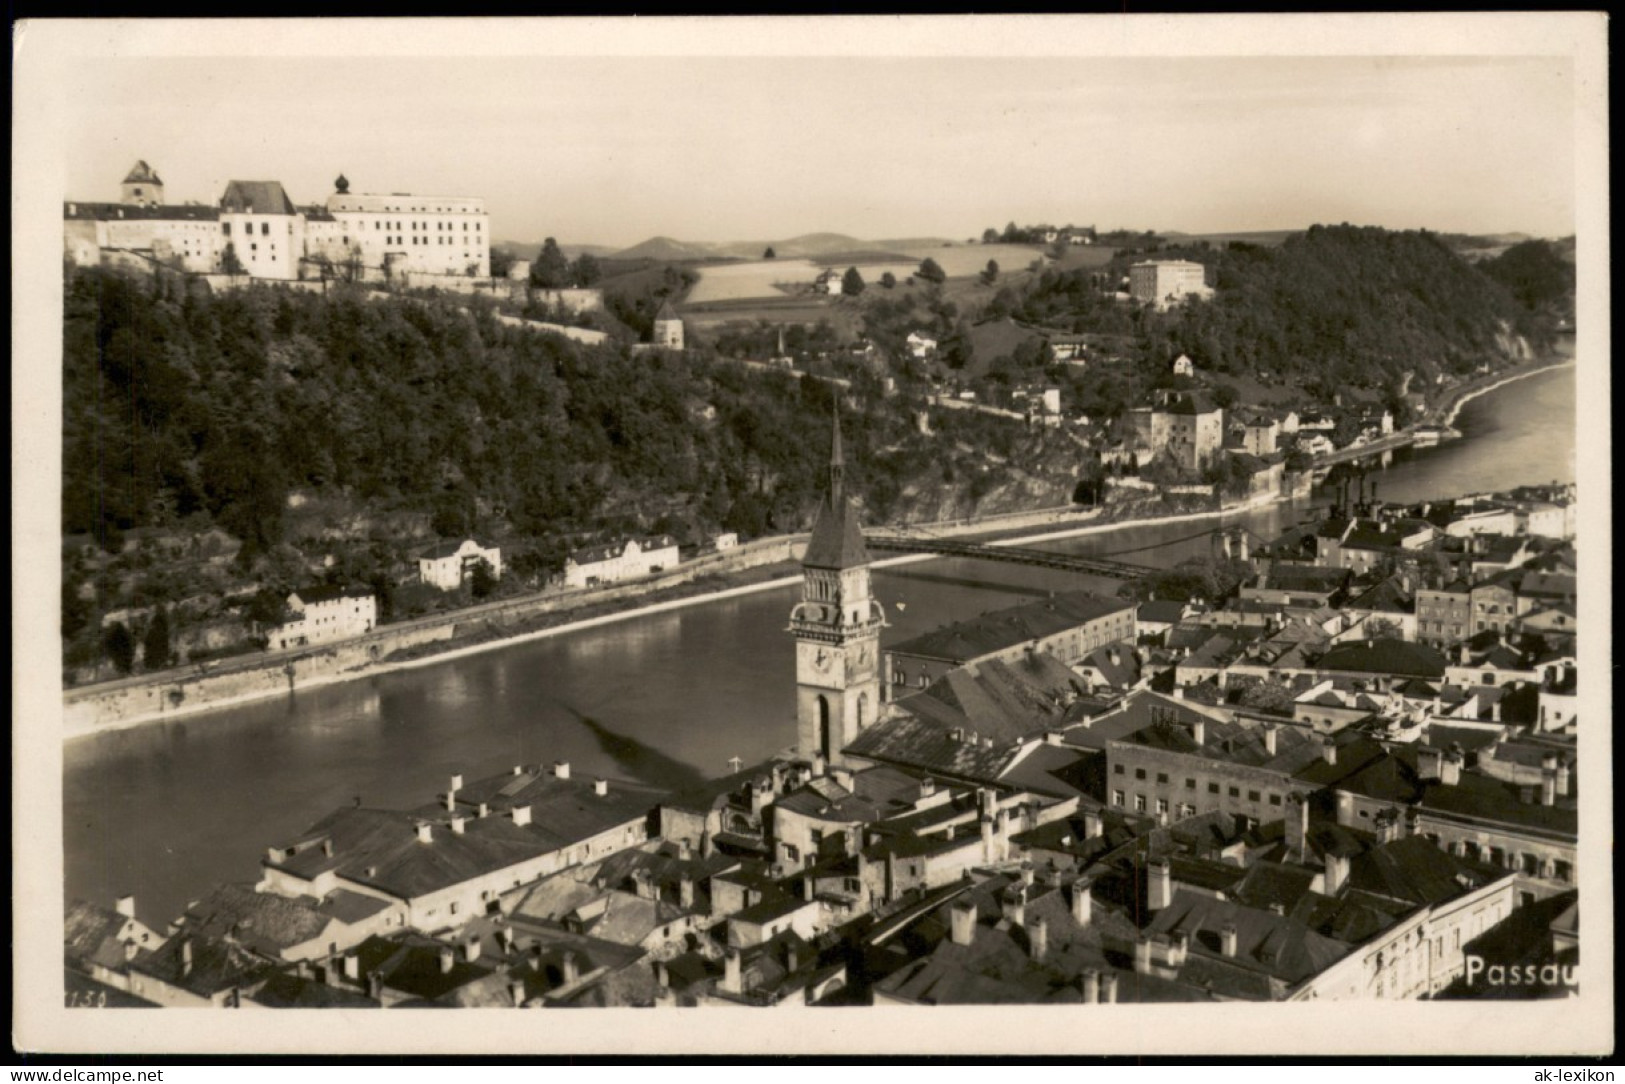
(837, 463)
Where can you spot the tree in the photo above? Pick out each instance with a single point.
(501, 262)
(990, 274)
(888, 280)
(119, 646)
(155, 653)
(586, 271)
(769, 254)
(931, 271)
(550, 271)
(482, 580)
(851, 282)
(990, 236)
(1225, 396)
(229, 263)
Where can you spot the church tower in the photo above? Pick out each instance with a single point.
(837, 627)
(143, 187)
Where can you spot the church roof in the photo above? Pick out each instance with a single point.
(837, 540)
(666, 312)
(141, 173)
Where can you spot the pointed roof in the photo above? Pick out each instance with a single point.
(141, 173)
(257, 197)
(666, 312)
(837, 538)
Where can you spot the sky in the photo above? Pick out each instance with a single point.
(615, 149)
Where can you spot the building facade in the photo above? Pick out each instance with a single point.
(324, 614)
(448, 565)
(1164, 283)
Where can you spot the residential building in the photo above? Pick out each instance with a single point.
(323, 614)
(1189, 430)
(1067, 626)
(627, 559)
(668, 328)
(920, 346)
(448, 565)
(1444, 615)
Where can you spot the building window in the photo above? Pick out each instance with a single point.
(225, 228)
(1213, 788)
(1139, 803)
(1117, 769)
(265, 229)
(1275, 799)
(1235, 792)
(1190, 784)
(1253, 796)
(1117, 797)
(1162, 805)
(1139, 773)
(1162, 777)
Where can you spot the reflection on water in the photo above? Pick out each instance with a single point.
(166, 810)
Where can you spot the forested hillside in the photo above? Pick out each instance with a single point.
(1332, 307)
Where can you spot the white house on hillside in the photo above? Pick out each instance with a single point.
(448, 564)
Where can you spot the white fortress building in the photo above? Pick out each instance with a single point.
(256, 227)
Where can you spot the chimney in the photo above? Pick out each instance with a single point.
(683, 852)
(1269, 738)
(818, 765)
(1142, 955)
(125, 905)
(484, 810)
(600, 787)
(1083, 904)
(456, 782)
(963, 922)
(471, 951)
(1089, 985)
(457, 826)
(447, 959)
(506, 936)
(352, 967)
(1429, 763)
(1027, 874)
(1179, 692)
(1108, 987)
(928, 787)
(685, 893)
(1297, 826)
(1563, 778)
(1227, 939)
(807, 888)
(1337, 873)
(1450, 769)
(425, 832)
(730, 973)
(1092, 823)
(327, 848)
(521, 815)
(662, 976)
(375, 986)
(1328, 750)
(130, 950)
(1013, 902)
(570, 967)
(1387, 825)
(561, 769)
(519, 769)
(1198, 727)
(892, 889)
(707, 846)
(1159, 890)
(516, 991)
(1548, 788)
(1038, 939)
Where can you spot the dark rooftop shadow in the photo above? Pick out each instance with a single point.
(643, 762)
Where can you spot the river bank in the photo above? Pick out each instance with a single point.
(464, 634)
(1462, 398)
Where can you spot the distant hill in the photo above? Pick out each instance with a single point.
(666, 248)
(529, 250)
(1251, 237)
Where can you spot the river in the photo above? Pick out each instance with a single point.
(166, 810)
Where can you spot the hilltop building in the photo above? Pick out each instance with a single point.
(268, 236)
(837, 627)
(668, 329)
(1189, 429)
(1165, 283)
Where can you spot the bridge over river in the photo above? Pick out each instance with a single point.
(1095, 566)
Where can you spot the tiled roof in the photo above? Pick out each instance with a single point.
(217, 964)
(1415, 870)
(1395, 657)
(916, 743)
(79, 210)
(978, 636)
(837, 539)
(1162, 611)
(267, 923)
(326, 593)
(257, 197)
(288, 990)
(1000, 700)
(1266, 944)
(91, 934)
